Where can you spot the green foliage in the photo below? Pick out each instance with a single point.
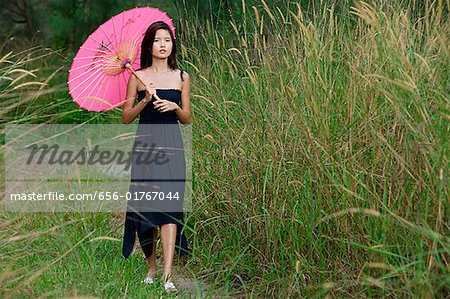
(72, 21)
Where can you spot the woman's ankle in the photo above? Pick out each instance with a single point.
(166, 278)
(151, 271)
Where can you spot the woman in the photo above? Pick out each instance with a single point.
(158, 122)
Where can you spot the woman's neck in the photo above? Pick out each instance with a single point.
(159, 65)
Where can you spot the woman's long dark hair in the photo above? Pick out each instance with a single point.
(147, 47)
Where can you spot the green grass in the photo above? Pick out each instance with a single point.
(320, 163)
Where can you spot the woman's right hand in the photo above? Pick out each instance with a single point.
(149, 92)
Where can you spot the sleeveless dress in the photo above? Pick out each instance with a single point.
(160, 129)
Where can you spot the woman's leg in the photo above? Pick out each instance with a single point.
(168, 237)
(151, 260)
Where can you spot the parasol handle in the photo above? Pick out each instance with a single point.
(128, 66)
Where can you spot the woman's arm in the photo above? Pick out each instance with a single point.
(129, 112)
(184, 114)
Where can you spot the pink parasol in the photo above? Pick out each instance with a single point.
(99, 73)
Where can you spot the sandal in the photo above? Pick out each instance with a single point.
(148, 280)
(170, 287)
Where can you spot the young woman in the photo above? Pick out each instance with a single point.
(159, 120)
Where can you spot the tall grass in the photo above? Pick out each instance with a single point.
(320, 167)
(322, 150)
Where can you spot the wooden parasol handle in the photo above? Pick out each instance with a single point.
(128, 66)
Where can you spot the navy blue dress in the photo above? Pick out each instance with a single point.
(165, 133)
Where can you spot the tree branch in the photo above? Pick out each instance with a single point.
(16, 5)
(19, 21)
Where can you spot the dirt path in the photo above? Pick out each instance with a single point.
(191, 287)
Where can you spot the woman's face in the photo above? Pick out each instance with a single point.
(162, 46)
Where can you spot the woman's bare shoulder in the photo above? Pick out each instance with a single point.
(185, 75)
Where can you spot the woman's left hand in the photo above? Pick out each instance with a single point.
(165, 105)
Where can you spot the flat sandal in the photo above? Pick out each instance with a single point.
(169, 287)
(148, 280)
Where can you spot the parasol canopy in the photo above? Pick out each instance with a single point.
(102, 66)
